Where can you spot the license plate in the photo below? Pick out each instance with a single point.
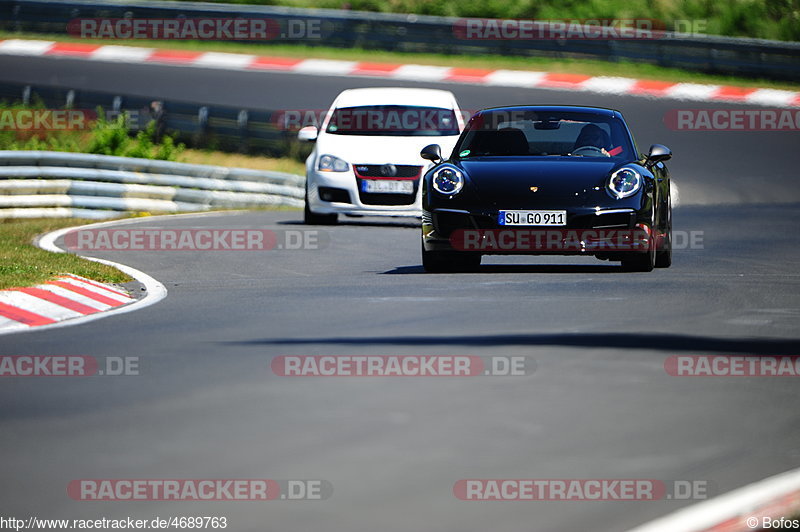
(387, 186)
(532, 218)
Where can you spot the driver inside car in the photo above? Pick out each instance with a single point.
(594, 137)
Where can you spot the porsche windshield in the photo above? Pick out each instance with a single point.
(520, 132)
(393, 121)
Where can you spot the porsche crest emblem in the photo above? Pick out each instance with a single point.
(534, 189)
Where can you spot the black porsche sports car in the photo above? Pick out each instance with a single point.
(546, 179)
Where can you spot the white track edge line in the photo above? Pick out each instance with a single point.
(155, 290)
(735, 503)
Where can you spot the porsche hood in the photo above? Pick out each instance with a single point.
(518, 182)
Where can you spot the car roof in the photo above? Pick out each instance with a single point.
(395, 96)
(557, 108)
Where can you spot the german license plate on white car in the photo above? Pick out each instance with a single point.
(532, 218)
(387, 186)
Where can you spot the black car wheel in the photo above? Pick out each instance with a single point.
(664, 255)
(449, 261)
(312, 218)
(641, 262)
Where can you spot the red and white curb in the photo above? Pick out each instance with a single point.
(422, 73)
(70, 299)
(740, 510)
(63, 298)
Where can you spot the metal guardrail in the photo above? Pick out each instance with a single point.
(198, 125)
(152, 166)
(417, 33)
(101, 186)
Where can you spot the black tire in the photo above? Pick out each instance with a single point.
(640, 262)
(664, 255)
(449, 261)
(312, 218)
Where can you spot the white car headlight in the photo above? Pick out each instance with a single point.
(329, 163)
(624, 182)
(448, 180)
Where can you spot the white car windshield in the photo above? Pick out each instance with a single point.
(393, 121)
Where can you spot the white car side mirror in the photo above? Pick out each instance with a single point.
(307, 134)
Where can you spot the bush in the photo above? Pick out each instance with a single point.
(114, 138)
(104, 137)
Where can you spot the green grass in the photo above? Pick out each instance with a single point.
(102, 136)
(23, 264)
(238, 160)
(587, 67)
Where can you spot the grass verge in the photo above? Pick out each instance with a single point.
(588, 67)
(23, 264)
(238, 160)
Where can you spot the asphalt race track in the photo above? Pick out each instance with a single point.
(598, 405)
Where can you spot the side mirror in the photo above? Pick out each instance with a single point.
(431, 152)
(307, 134)
(658, 153)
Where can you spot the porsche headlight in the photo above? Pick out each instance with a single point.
(329, 163)
(448, 181)
(625, 182)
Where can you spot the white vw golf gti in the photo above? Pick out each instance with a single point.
(366, 158)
